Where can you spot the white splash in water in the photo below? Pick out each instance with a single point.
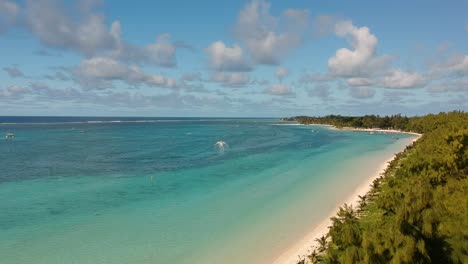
(221, 146)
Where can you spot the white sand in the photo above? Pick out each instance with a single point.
(303, 247)
(377, 130)
(373, 130)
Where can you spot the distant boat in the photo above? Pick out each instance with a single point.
(372, 132)
(9, 136)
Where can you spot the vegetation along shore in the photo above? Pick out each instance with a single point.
(416, 211)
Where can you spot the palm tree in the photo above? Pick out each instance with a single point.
(322, 242)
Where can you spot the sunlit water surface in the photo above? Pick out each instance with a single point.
(164, 192)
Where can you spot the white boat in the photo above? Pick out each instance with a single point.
(9, 136)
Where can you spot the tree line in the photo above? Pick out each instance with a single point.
(419, 124)
(417, 210)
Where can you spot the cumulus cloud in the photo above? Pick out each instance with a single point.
(13, 92)
(279, 89)
(162, 52)
(360, 60)
(231, 79)
(281, 73)
(83, 29)
(362, 92)
(268, 38)
(457, 65)
(359, 81)
(13, 72)
(9, 12)
(361, 67)
(400, 79)
(224, 58)
(100, 72)
(54, 27)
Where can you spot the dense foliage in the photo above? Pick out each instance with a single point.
(411, 124)
(417, 211)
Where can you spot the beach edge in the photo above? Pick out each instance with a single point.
(303, 247)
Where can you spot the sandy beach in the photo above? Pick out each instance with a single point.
(303, 247)
(370, 130)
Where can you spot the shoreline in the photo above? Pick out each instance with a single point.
(304, 246)
(356, 129)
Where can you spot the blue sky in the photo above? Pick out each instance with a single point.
(232, 58)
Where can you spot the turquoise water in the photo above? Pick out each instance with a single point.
(161, 192)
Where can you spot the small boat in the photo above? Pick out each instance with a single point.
(10, 136)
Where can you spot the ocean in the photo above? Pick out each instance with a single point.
(160, 190)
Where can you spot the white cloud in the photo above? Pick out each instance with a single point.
(231, 79)
(102, 68)
(13, 92)
(54, 27)
(360, 60)
(279, 89)
(9, 12)
(100, 72)
(162, 52)
(450, 75)
(224, 58)
(361, 67)
(86, 32)
(400, 79)
(261, 33)
(457, 65)
(359, 81)
(362, 92)
(281, 73)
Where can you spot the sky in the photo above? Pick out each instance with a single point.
(253, 58)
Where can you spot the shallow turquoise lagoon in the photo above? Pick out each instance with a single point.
(162, 192)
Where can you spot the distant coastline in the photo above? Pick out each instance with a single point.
(358, 129)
